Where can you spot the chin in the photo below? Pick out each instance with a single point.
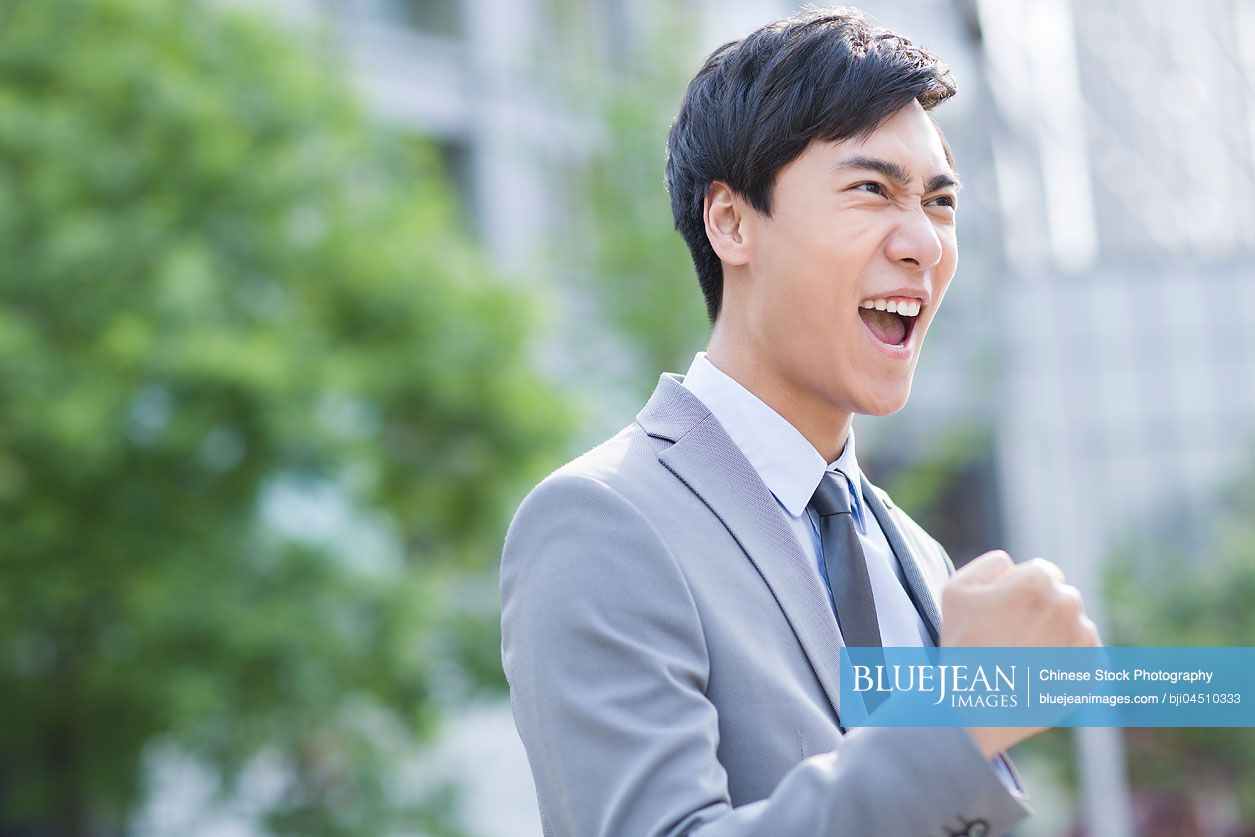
(886, 402)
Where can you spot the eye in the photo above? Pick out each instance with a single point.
(946, 200)
(870, 186)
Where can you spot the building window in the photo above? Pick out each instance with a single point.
(455, 157)
(432, 17)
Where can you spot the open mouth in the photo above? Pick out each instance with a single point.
(890, 320)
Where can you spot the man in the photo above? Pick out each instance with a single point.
(673, 601)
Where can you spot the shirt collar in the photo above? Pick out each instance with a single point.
(787, 463)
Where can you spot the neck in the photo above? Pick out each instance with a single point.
(826, 427)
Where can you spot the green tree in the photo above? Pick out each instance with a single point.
(1170, 590)
(1163, 587)
(632, 268)
(229, 310)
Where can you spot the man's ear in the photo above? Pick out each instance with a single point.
(724, 214)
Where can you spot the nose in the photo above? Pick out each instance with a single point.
(914, 242)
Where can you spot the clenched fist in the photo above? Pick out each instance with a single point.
(992, 601)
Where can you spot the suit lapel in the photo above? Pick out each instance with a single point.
(713, 467)
(921, 594)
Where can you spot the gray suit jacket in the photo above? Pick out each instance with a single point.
(672, 658)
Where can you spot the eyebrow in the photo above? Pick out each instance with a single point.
(897, 173)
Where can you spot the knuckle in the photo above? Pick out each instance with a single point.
(1050, 568)
(1071, 602)
(1089, 632)
(996, 557)
(1039, 586)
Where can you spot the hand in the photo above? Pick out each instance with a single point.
(992, 601)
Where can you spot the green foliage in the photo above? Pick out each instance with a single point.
(639, 276)
(1200, 596)
(229, 311)
(1161, 589)
(646, 284)
(921, 485)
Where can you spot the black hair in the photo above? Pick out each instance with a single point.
(757, 103)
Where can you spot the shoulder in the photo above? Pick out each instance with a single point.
(621, 471)
(582, 556)
(592, 508)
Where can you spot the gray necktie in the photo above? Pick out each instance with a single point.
(846, 568)
(844, 563)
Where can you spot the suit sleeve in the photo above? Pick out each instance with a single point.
(603, 649)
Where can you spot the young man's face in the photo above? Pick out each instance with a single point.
(856, 226)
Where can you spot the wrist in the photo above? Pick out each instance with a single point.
(987, 740)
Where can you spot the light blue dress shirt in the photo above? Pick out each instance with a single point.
(791, 468)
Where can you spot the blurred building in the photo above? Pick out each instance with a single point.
(1125, 159)
(1098, 348)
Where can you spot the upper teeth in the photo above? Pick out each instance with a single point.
(907, 308)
